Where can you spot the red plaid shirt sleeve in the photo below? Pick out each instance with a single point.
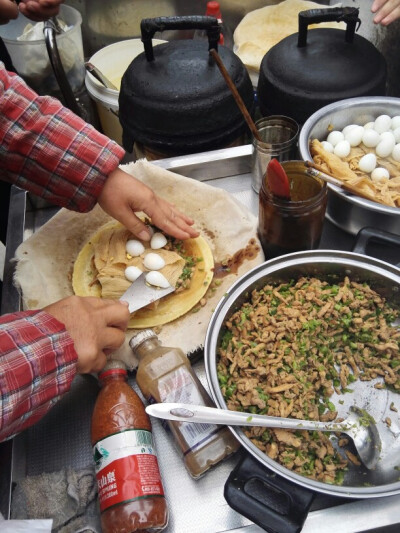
(37, 366)
(48, 150)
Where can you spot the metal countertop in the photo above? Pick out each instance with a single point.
(62, 439)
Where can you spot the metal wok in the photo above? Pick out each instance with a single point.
(329, 265)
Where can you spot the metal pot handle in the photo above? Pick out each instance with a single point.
(283, 508)
(373, 234)
(149, 27)
(349, 15)
(50, 31)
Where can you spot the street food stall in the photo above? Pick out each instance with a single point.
(254, 489)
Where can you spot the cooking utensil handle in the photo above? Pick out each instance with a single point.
(149, 27)
(349, 15)
(181, 412)
(272, 502)
(368, 234)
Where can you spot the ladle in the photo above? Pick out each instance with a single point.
(358, 425)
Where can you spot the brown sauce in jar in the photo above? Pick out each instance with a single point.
(286, 226)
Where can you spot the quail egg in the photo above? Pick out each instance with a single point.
(342, 149)
(158, 240)
(385, 145)
(395, 122)
(134, 247)
(370, 138)
(383, 123)
(157, 279)
(346, 129)
(335, 137)
(367, 163)
(327, 146)
(369, 125)
(132, 273)
(380, 173)
(153, 261)
(396, 134)
(396, 153)
(355, 135)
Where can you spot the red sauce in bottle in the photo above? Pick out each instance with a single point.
(129, 483)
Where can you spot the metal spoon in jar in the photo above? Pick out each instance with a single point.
(358, 425)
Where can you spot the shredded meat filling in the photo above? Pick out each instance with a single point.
(290, 347)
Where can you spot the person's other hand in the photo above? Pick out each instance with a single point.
(386, 11)
(123, 194)
(96, 326)
(8, 11)
(38, 10)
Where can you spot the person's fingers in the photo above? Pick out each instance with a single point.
(386, 11)
(8, 11)
(133, 223)
(37, 11)
(112, 339)
(117, 315)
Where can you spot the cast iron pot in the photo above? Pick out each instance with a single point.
(299, 491)
(173, 97)
(308, 70)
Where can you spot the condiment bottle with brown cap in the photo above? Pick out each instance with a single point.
(164, 375)
(129, 483)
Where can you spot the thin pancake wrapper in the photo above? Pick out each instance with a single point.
(100, 271)
(45, 260)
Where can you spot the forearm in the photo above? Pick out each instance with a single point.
(46, 149)
(37, 365)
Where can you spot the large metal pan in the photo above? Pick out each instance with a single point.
(345, 210)
(325, 264)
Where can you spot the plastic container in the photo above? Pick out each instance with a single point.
(112, 61)
(213, 10)
(130, 490)
(31, 59)
(164, 375)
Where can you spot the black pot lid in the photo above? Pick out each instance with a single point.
(182, 84)
(327, 65)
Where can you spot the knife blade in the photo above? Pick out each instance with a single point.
(140, 294)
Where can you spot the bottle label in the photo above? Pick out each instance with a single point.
(178, 386)
(126, 468)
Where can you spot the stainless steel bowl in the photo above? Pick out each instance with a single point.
(329, 265)
(345, 210)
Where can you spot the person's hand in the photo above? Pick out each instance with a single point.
(8, 11)
(39, 10)
(386, 11)
(123, 194)
(96, 326)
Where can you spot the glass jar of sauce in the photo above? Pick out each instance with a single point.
(293, 225)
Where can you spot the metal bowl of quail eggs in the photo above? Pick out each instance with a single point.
(372, 121)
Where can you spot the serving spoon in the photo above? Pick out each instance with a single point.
(358, 425)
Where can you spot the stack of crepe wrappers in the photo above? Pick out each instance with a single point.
(263, 28)
(46, 259)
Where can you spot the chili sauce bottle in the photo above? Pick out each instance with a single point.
(165, 375)
(130, 490)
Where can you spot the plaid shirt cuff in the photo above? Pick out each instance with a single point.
(37, 366)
